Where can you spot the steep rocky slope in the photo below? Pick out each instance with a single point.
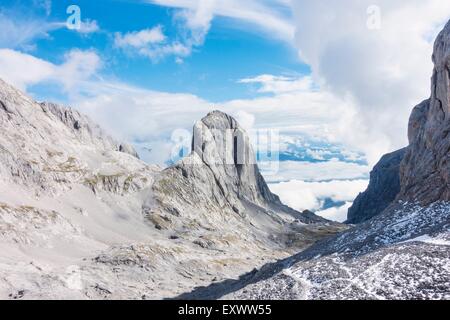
(383, 188)
(425, 172)
(82, 217)
(424, 166)
(403, 251)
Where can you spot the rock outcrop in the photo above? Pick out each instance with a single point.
(85, 129)
(383, 188)
(425, 171)
(403, 251)
(221, 174)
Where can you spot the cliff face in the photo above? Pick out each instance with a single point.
(383, 188)
(425, 171)
(423, 168)
(402, 251)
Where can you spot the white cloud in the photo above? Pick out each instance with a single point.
(194, 18)
(245, 119)
(78, 66)
(302, 195)
(320, 171)
(20, 32)
(141, 116)
(21, 28)
(280, 84)
(88, 26)
(193, 25)
(159, 52)
(140, 39)
(384, 72)
(150, 117)
(44, 4)
(378, 74)
(153, 44)
(272, 16)
(338, 214)
(23, 70)
(197, 21)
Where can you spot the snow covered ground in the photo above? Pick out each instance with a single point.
(403, 254)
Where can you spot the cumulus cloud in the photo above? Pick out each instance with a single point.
(153, 44)
(140, 39)
(25, 70)
(385, 71)
(378, 73)
(193, 20)
(149, 120)
(193, 24)
(143, 117)
(88, 26)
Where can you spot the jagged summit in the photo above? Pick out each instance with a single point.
(222, 173)
(220, 141)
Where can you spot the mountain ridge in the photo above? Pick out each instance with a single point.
(81, 214)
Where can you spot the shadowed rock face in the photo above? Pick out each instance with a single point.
(383, 188)
(425, 171)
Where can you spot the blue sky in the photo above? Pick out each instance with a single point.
(228, 52)
(337, 80)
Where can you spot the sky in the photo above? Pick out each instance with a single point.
(336, 80)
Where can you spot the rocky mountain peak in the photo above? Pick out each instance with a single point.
(221, 175)
(225, 148)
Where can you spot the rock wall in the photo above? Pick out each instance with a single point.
(383, 188)
(425, 171)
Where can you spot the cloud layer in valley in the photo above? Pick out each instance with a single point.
(330, 199)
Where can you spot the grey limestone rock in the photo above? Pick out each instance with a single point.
(383, 188)
(221, 172)
(425, 171)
